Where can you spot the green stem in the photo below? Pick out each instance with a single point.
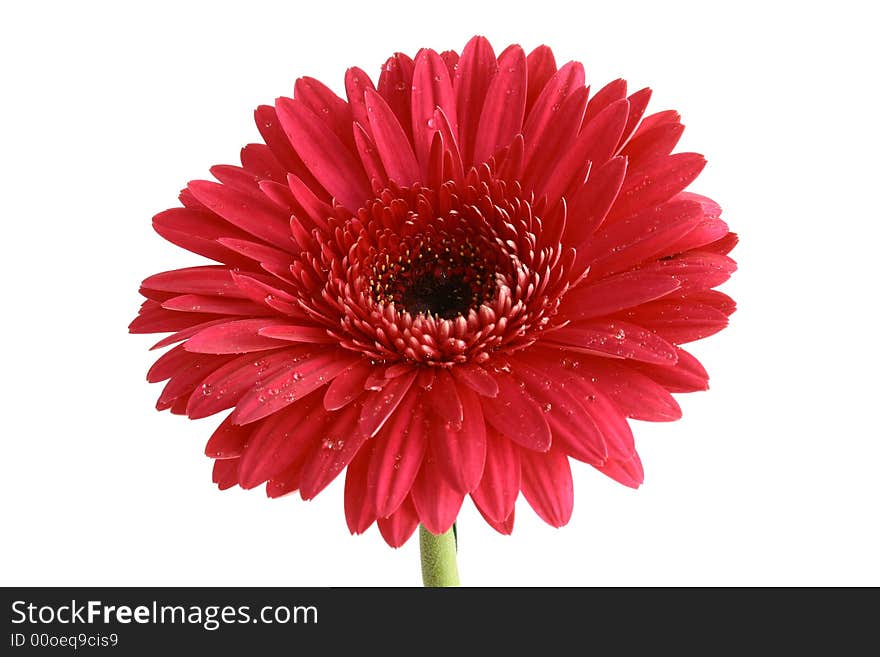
(438, 558)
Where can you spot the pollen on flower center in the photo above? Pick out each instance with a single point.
(444, 278)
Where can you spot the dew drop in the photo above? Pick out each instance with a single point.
(547, 407)
(207, 389)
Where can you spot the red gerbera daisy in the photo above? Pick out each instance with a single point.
(449, 284)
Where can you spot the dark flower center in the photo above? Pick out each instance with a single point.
(438, 277)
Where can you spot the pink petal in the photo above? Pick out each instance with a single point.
(198, 231)
(547, 485)
(545, 112)
(505, 106)
(541, 66)
(443, 398)
(679, 320)
(476, 378)
(400, 525)
(152, 318)
(235, 337)
(395, 86)
(499, 487)
(278, 441)
(628, 472)
(652, 144)
(224, 387)
(392, 144)
(315, 209)
(516, 414)
(199, 303)
(327, 106)
(657, 182)
(185, 379)
(554, 144)
(168, 363)
(347, 386)
(431, 88)
(399, 449)
(694, 271)
(614, 338)
(437, 503)
(270, 129)
(379, 405)
(228, 440)
(183, 334)
(635, 394)
(370, 159)
(258, 218)
(590, 205)
(638, 102)
(337, 446)
(622, 244)
(314, 370)
(616, 293)
(294, 333)
(210, 280)
(472, 77)
(357, 82)
(611, 92)
(259, 161)
(505, 527)
(607, 418)
(459, 450)
(225, 473)
(359, 513)
(574, 431)
(686, 375)
(326, 157)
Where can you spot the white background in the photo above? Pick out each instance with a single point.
(108, 109)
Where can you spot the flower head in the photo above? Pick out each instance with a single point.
(448, 284)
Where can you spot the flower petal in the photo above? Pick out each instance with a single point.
(313, 370)
(392, 144)
(399, 450)
(547, 485)
(499, 487)
(224, 387)
(431, 88)
(235, 337)
(228, 440)
(503, 112)
(659, 180)
(279, 440)
(541, 66)
(613, 338)
(516, 414)
(379, 405)
(359, 513)
(437, 503)
(340, 441)
(686, 375)
(400, 525)
(472, 77)
(459, 450)
(476, 378)
(634, 393)
(326, 157)
(347, 386)
(616, 293)
(259, 218)
(395, 86)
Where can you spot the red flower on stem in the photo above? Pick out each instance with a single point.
(450, 284)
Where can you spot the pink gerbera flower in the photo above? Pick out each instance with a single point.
(449, 284)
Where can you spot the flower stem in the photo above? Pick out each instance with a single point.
(438, 558)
